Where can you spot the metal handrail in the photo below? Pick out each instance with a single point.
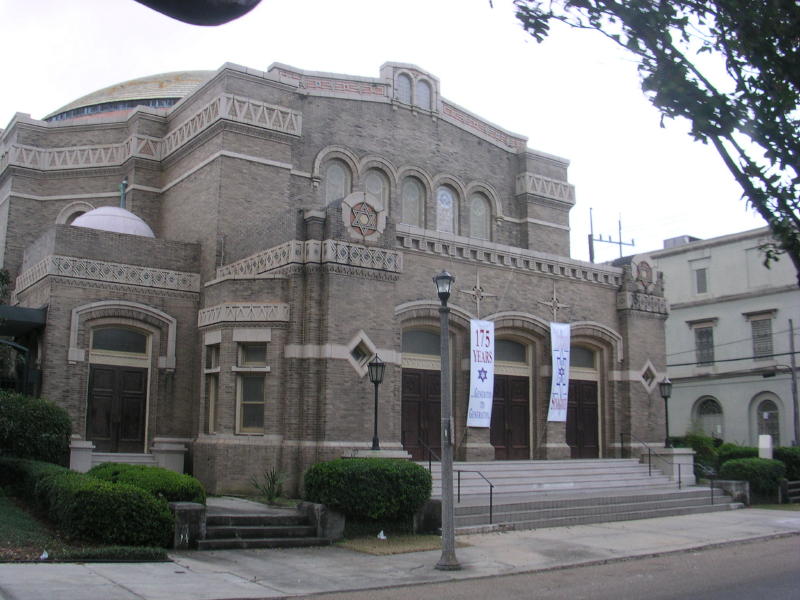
(459, 471)
(491, 489)
(650, 456)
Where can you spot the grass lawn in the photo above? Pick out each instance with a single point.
(23, 537)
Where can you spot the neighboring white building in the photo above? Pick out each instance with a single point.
(728, 336)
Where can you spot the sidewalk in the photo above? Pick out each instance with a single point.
(243, 574)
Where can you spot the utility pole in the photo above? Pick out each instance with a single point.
(793, 366)
(618, 242)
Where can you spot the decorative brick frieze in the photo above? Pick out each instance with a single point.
(538, 185)
(642, 302)
(412, 239)
(98, 270)
(310, 252)
(450, 112)
(226, 106)
(242, 313)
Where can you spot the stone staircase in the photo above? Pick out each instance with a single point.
(535, 494)
(233, 523)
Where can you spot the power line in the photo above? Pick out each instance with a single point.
(721, 360)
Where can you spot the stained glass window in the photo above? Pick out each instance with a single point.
(445, 210)
(423, 95)
(337, 181)
(376, 187)
(403, 91)
(413, 205)
(479, 217)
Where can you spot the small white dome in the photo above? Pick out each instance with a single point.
(116, 219)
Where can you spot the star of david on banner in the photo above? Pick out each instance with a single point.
(560, 344)
(481, 373)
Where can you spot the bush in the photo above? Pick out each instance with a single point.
(369, 488)
(763, 474)
(88, 508)
(162, 483)
(705, 451)
(33, 428)
(790, 457)
(730, 451)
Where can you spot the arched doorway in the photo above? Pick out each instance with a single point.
(119, 360)
(708, 415)
(510, 427)
(420, 418)
(583, 426)
(768, 420)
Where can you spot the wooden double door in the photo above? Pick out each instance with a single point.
(421, 413)
(117, 403)
(583, 437)
(510, 428)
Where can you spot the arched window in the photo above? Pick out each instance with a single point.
(74, 216)
(479, 217)
(119, 339)
(337, 181)
(376, 187)
(423, 96)
(709, 417)
(768, 421)
(421, 341)
(403, 91)
(413, 209)
(446, 210)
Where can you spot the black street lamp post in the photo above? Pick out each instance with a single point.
(448, 561)
(376, 369)
(665, 387)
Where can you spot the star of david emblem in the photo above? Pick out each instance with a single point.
(482, 374)
(364, 218)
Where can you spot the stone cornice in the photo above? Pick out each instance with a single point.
(312, 252)
(242, 313)
(98, 270)
(642, 302)
(413, 239)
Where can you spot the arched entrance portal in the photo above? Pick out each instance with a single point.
(118, 376)
(583, 427)
(421, 400)
(510, 429)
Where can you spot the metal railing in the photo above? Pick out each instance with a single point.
(431, 454)
(650, 455)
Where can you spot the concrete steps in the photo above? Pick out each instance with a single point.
(536, 494)
(282, 528)
(130, 458)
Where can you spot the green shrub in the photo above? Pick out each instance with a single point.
(730, 451)
(162, 483)
(790, 457)
(88, 508)
(369, 488)
(705, 451)
(763, 474)
(33, 428)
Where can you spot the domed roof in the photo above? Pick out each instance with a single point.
(115, 219)
(164, 89)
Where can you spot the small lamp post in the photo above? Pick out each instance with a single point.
(448, 561)
(665, 387)
(376, 369)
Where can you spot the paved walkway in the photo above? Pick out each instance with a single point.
(241, 574)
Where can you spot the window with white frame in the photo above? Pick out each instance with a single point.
(446, 209)
(336, 181)
(251, 369)
(761, 329)
(413, 202)
(479, 217)
(211, 372)
(704, 344)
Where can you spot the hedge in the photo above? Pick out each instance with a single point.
(763, 474)
(790, 457)
(33, 428)
(162, 483)
(369, 488)
(728, 451)
(87, 508)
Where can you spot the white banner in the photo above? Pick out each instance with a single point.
(559, 341)
(481, 373)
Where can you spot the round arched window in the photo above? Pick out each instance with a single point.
(403, 91)
(709, 417)
(376, 187)
(413, 206)
(768, 421)
(423, 97)
(337, 181)
(479, 217)
(445, 210)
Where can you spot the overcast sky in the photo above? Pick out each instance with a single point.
(576, 96)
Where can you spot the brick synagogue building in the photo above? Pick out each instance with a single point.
(203, 264)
